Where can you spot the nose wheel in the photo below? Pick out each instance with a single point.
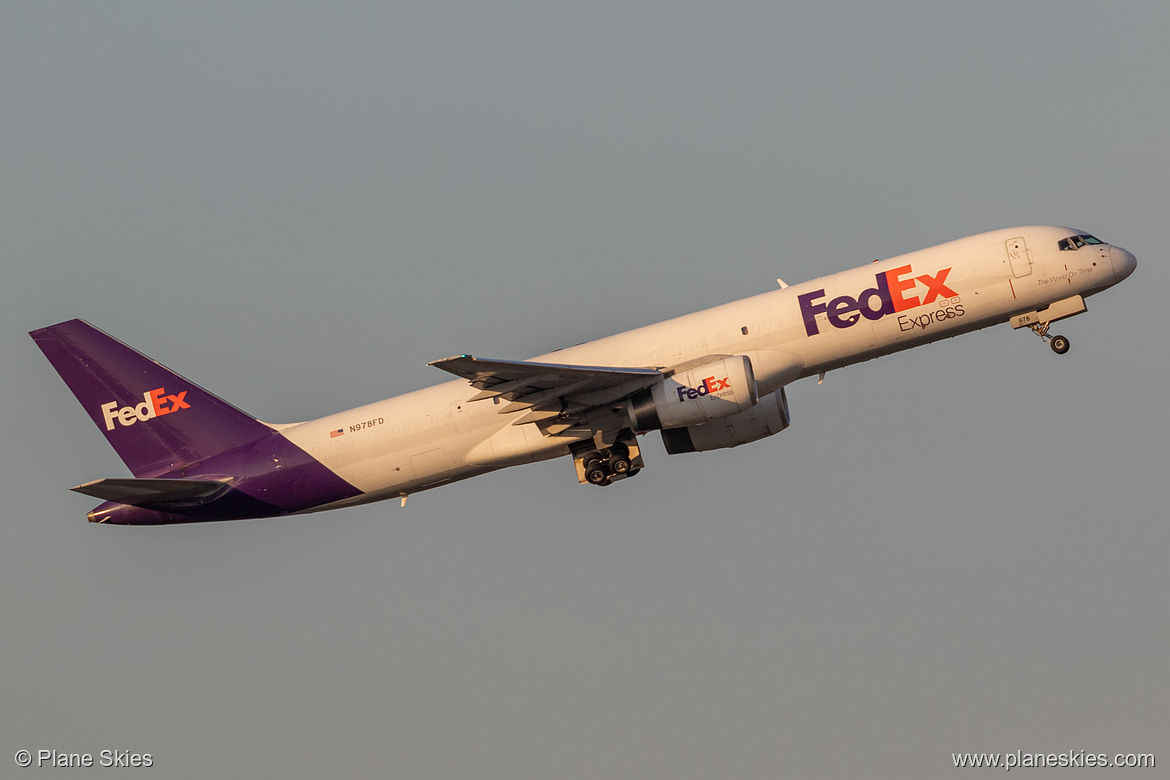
(1040, 321)
(1059, 344)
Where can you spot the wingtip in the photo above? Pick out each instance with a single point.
(440, 361)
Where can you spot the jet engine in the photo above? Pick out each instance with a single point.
(720, 388)
(768, 417)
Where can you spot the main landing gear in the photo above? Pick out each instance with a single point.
(608, 464)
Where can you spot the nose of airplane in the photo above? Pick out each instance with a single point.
(1123, 262)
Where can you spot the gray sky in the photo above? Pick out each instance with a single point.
(298, 205)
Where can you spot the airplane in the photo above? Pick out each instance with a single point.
(708, 380)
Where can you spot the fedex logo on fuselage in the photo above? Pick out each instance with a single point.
(891, 295)
(706, 387)
(155, 403)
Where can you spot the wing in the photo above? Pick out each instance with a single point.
(138, 492)
(547, 390)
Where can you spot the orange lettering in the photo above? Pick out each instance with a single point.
(899, 286)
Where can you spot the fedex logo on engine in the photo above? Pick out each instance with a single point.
(891, 295)
(155, 403)
(706, 387)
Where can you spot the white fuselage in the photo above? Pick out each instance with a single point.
(436, 435)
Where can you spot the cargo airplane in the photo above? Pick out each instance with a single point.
(705, 381)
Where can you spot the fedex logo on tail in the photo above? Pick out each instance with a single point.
(155, 403)
(890, 296)
(706, 387)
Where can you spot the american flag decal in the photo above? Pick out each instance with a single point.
(336, 433)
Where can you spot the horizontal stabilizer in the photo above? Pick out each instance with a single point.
(139, 492)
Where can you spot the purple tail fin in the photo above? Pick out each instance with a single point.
(155, 419)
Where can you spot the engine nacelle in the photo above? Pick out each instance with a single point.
(768, 417)
(708, 392)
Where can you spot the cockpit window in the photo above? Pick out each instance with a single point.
(1073, 243)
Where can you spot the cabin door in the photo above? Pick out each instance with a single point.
(1019, 257)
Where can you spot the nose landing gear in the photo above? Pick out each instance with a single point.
(1039, 321)
(1059, 344)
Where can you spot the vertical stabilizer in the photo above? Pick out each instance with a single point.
(155, 419)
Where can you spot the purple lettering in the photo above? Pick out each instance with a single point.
(838, 308)
(882, 292)
(810, 310)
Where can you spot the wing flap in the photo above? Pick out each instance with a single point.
(139, 492)
(516, 379)
(547, 390)
(485, 374)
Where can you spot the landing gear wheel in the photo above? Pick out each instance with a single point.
(619, 464)
(611, 462)
(1059, 344)
(597, 475)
